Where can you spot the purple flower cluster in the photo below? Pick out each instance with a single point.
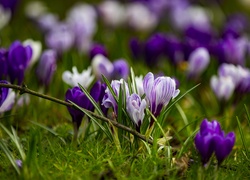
(211, 139)
(15, 61)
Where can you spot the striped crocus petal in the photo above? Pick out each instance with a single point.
(135, 108)
(159, 91)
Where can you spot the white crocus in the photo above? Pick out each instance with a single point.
(135, 108)
(139, 17)
(102, 66)
(222, 86)
(9, 101)
(5, 15)
(139, 85)
(85, 78)
(36, 47)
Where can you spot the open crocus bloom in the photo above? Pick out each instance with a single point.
(159, 91)
(85, 78)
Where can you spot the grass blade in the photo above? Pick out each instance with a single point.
(91, 100)
(242, 136)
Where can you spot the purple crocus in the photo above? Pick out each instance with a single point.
(109, 100)
(97, 49)
(9, 4)
(211, 139)
(3, 92)
(121, 69)
(159, 91)
(198, 62)
(19, 57)
(60, 38)
(77, 96)
(135, 108)
(47, 66)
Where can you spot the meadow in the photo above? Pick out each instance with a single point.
(132, 89)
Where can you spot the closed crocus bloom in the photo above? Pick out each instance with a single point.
(109, 100)
(198, 62)
(47, 21)
(97, 49)
(60, 38)
(46, 67)
(85, 78)
(7, 98)
(19, 57)
(204, 139)
(211, 139)
(159, 91)
(135, 108)
(36, 47)
(77, 96)
(223, 145)
(139, 85)
(102, 66)
(222, 86)
(121, 69)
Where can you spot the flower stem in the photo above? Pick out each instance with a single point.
(24, 89)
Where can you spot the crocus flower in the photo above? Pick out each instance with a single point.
(112, 13)
(211, 139)
(85, 78)
(102, 66)
(109, 100)
(5, 16)
(46, 22)
(36, 47)
(222, 86)
(97, 49)
(198, 62)
(135, 108)
(140, 18)
(19, 163)
(159, 91)
(78, 97)
(121, 69)
(7, 98)
(9, 4)
(60, 38)
(82, 20)
(139, 85)
(19, 57)
(47, 66)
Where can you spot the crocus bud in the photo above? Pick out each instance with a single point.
(135, 108)
(198, 62)
(78, 97)
(121, 69)
(47, 21)
(102, 66)
(159, 91)
(19, 57)
(211, 139)
(139, 85)
(7, 98)
(46, 67)
(85, 78)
